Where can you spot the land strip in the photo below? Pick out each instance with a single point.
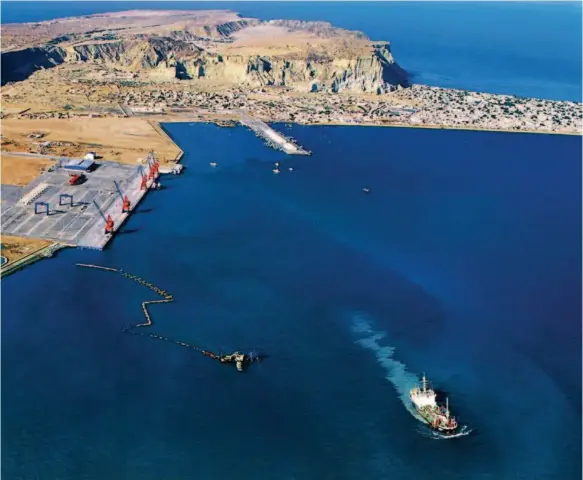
(20, 261)
(418, 105)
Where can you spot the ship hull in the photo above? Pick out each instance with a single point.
(429, 417)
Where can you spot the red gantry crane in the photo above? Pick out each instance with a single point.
(126, 205)
(109, 224)
(125, 208)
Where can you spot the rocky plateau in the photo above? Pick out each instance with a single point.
(206, 47)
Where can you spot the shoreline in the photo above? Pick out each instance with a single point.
(439, 127)
(157, 123)
(174, 118)
(40, 254)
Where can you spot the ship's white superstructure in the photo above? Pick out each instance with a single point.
(423, 397)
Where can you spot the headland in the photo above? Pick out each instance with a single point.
(208, 64)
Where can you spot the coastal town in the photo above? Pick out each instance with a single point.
(418, 105)
(150, 63)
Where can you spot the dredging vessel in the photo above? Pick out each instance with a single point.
(436, 416)
(239, 359)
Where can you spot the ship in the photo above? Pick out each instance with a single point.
(436, 416)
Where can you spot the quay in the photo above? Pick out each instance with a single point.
(76, 215)
(95, 238)
(273, 139)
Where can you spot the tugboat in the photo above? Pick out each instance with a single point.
(436, 416)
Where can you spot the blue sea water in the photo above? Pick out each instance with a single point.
(464, 262)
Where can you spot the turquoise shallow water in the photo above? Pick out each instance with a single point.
(462, 262)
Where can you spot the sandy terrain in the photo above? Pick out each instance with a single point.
(57, 90)
(14, 248)
(21, 35)
(277, 40)
(118, 139)
(21, 171)
(115, 139)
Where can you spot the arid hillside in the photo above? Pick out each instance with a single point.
(205, 47)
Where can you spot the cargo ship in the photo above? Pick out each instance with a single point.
(436, 416)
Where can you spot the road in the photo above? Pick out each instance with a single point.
(39, 155)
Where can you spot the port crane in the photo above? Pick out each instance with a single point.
(109, 223)
(125, 208)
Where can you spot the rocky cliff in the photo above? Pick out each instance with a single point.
(240, 52)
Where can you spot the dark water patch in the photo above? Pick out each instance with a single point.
(128, 231)
(143, 210)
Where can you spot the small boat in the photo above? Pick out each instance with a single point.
(366, 190)
(276, 170)
(291, 169)
(213, 164)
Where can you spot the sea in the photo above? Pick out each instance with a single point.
(463, 262)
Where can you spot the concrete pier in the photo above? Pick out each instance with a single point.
(75, 221)
(95, 237)
(273, 138)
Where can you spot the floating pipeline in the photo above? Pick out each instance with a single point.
(237, 358)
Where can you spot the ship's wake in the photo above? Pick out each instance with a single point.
(401, 379)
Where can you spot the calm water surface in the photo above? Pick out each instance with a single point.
(463, 262)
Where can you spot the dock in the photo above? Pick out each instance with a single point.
(95, 238)
(74, 215)
(273, 138)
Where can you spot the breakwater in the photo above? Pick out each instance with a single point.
(272, 138)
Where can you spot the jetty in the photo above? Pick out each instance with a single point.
(94, 238)
(84, 214)
(272, 138)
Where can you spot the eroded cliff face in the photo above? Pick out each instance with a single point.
(178, 54)
(377, 73)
